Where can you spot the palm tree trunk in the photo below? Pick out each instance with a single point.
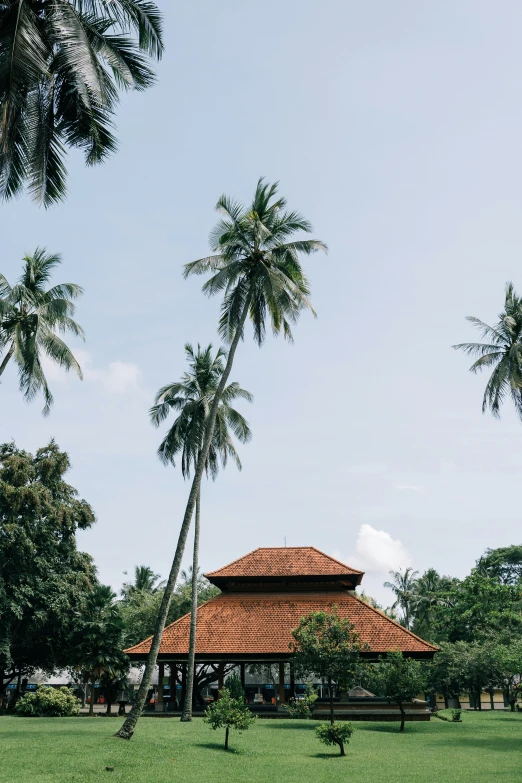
(6, 358)
(91, 700)
(127, 730)
(187, 706)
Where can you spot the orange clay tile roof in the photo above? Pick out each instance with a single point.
(284, 562)
(261, 623)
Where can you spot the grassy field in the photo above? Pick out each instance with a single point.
(485, 747)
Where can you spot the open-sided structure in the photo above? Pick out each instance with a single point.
(264, 595)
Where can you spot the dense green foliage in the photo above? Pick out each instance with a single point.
(228, 713)
(399, 679)
(302, 708)
(335, 734)
(48, 702)
(327, 646)
(31, 315)
(486, 746)
(43, 578)
(61, 66)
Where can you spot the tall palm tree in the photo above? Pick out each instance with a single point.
(61, 66)
(30, 317)
(256, 265)
(403, 586)
(430, 591)
(503, 352)
(192, 397)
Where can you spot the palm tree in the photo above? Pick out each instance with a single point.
(30, 316)
(503, 353)
(430, 591)
(403, 586)
(192, 397)
(61, 66)
(256, 266)
(145, 581)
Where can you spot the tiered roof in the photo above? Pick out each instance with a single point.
(258, 626)
(280, 565)
(266, 593)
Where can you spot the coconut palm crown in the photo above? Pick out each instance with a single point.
(62, 65)
(256, 262)
(192, 397)
(30, 317)
(503, 353)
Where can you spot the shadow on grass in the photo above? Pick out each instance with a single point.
(306, 725)
(217, 746)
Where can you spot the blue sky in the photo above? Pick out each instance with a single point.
(395, 128)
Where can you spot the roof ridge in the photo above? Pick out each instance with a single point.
(382, 614)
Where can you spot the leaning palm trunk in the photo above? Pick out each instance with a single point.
(6, 359)
(127, 730)
(187, 706)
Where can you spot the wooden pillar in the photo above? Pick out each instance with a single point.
(183, 684)
(161, 674)
(281, 683)
(292, 680)
(242, 674)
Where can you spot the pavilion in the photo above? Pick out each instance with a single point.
(264, 595)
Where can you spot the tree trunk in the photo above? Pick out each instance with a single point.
(109, 706)
(187, 707)
(403, 716)
(512, 703)
(6, 358)
(91, 702)
(341, 748)
(226, 737)
(330, 691)
(127, 730)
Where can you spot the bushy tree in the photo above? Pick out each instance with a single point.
(399, 679)
(228, 713)
(328, 646)
(503, 564)
(48, 702)
(335, 734)
(43, 577)
(479, 608)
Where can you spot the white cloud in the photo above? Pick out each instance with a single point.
(408, 488)
(377, 550)
(117, 378)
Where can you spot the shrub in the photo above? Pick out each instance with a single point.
(335, 734)
(48, 702)
(302, 708)
(456, 715)
(227, 713)
(235, 687)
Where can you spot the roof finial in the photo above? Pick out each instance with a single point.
(285, 542)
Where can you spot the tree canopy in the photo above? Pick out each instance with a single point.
(43, 577)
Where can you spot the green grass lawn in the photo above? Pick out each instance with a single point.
(485, 747)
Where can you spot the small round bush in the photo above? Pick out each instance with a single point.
(48, 702)
(335, 734)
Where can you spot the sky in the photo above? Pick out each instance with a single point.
(395, 128)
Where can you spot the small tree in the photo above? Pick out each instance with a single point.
(335, 734)
(228, 713)
(302, 708)
(328, 646)
(400, 680)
